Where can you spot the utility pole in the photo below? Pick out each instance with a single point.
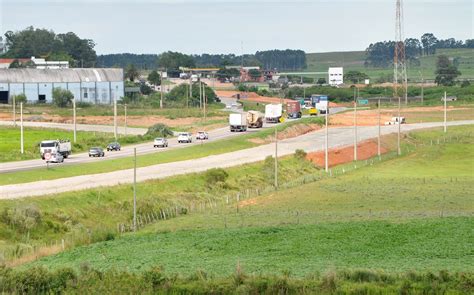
(276, 158)
(74, 118)
(115, 118)
(445, 127)
(22, 149)
(14, 110)
(355, 125)
(204, 98)
(125, 115)
(399, 150)
(161, 89)
(399, 62)
(378, 138)
(135, 189)
(326, 156)
(200, 94)
(422, 88)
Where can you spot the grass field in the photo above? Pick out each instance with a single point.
(192, 152)
(408, 213)
(354, 61)
(10, 141)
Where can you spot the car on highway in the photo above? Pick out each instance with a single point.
(185, 137)
(114, 146)
(96, 152)
(160, 142)
(202, 135)
(55, 158)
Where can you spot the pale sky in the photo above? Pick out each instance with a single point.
(212, 26)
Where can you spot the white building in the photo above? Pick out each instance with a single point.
(41, 63)
(336, 76)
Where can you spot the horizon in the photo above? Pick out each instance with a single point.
(138, 28)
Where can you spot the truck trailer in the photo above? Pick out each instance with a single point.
(293, 109)
(255, 119)
(57, 146)
(273, 113)
(320, 102)
(238, 122)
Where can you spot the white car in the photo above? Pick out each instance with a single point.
(185, 137)
(160, 142)
(55, 158)
(202, 135)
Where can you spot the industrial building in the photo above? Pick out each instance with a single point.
(96, 86)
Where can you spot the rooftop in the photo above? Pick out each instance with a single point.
(60, 75)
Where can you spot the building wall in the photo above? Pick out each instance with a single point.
(90, 92)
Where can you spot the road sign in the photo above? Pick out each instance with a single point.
(282, 119)
(47, 156)
(363, 101)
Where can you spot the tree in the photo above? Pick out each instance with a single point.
(154, 78)
(62, 97)
(429, 42)
(255, 74)
(445, 72)
(355, 76)
(20, 98)
(321, 81)
(131, 73)
(174, 60)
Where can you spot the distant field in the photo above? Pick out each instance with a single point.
(354, 60)
(414, 212)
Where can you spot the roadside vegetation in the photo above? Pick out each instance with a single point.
(10, 141)
(186, 153)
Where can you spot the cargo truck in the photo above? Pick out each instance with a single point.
(57, 146)
(254, 119)
(320, 102)
(293, 109)
(238, 122)
(273, 113)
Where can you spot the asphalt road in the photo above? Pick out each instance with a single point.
(127, 151)
(342, 136)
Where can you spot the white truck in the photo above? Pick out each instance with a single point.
(57, 146)
(273, 113)
(254, 119)
(238, 122)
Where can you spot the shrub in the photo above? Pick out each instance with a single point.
(62, 97)
(159, 130)
(215, 175)
(25, 217)
(465, 83)
(300, 154)
(20, 98)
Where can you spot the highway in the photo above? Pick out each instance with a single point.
(338, 137)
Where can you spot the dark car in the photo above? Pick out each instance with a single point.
(96, 152)
(114, 146)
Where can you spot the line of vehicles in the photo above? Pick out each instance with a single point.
(55, 151)
(274, 113)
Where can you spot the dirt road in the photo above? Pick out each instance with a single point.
(341, 136)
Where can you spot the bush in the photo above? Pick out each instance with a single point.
(215, 175)
(62, 97)
(20, 98)
(300, 154)
(159, 130)
(465, 83)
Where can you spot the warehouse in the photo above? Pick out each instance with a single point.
(96, 86)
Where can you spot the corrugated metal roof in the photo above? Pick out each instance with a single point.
(60, 75)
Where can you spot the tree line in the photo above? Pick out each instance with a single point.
(380, 54)
(46, 44)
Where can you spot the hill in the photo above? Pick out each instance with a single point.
(354, 60)
(398, 215)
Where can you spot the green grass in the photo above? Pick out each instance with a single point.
(354, 61)
(10, 141)
(408, 213)
(192, 152)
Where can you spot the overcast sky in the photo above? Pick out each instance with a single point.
(212, 26)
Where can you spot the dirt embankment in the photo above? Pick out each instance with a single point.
(365, 150)
(289, 132)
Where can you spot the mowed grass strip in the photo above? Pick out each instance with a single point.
(10, 141)
(428, 244)
(187, 153)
